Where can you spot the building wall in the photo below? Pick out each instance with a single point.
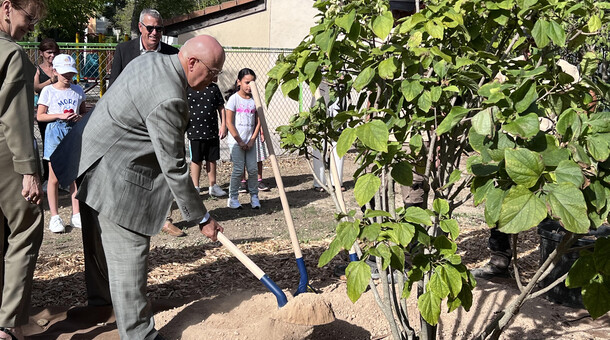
(283, 24)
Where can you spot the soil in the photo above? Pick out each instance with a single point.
(199, 290)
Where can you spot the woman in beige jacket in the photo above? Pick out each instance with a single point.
(20, 189)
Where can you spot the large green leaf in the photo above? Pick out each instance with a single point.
(493, 206)
(435, 30)
(404, 233)
(382, 24)
(270, 89)
(402, 173)
(601, 253)
(594, 23)
(429, 305)
(596, 297)
(598, 147)
(411, 89)
(528, 90)
(346, 140)
(582, 272)
(289, 85)
(387, 68)
(346, 21)
(521, 210)
(364, 78)
(374, 134)
(366, 187)
(557, 33)
(425, 101)
(452, 278)
(451, 227)
(539, 33)
(333, 249)
(570, 172)
(347, 232)
(358, 276)
(482, 122)
(523, 166)
(452, 119)
(438, 286)
(568, 204)
(525, 126)
(440, 206)
(417, 215)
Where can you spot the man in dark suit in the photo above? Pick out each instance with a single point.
(129, 158)
(151, 29)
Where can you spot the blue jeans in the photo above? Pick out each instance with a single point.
(241, 158)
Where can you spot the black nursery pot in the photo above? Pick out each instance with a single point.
(551, 233)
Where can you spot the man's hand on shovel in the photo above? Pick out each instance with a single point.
(210, 228)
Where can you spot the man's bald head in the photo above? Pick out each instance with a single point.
(204, 50)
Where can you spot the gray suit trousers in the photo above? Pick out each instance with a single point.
(126, 255)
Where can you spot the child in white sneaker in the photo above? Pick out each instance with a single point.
(62, 104)
(243, 125)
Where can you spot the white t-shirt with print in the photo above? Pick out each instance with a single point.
(61, 101)
(244, 120)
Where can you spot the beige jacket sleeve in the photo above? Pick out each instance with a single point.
(17, 105)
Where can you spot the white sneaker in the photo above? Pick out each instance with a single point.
(216, 191)
(233, 203)
(75, 221)
(56, 225)
(254, 202)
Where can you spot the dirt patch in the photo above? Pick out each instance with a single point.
(200, 291)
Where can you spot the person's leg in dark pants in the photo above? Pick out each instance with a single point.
(499, 245)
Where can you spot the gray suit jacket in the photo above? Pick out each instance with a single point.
(128, 153)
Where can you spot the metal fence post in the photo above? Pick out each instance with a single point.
(101, 67)
(77, 38)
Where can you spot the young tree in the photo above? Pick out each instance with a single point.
(446, 83)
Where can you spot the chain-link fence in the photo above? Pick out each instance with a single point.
(94, 63)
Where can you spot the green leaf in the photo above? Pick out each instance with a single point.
(453, 118)
(601, 254)
(296, 138)
(425, 101)
(333, 249)
(404, 233)
(557, 34)
(451, 227)
(596, 298)
(402, 173)
(598, 147)
(521, 210)
(565, 121)
(480, 191)
(523, 103)
(455, 176)
(346, 21)
(346, 140)
(364, 78)
(417, 215)
(438, 286)
(582, 272)
(523, 166)
(429, 305)
(397, 260)
(436, 31)
(382, 25)
(482, 122)
(371, 232)
(539, 32)
(493, 206)
(440, 206)
(374, 134)
(411, 89)
(524, 126)
(270, 89)
(347, 232)
(358, 276)
(594, 23)
(569, 172)
(444, 245)
(384, 252)
(387, 68)
(568, 204)
(452, 278)
(377, 213)
(366, 187)
(289, 86)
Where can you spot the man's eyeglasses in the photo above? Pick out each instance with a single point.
(151, 28)
(31, 19)
(213, 73)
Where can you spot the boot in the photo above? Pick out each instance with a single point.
(496, 267)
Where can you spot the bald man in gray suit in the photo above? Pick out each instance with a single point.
(128, 156)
